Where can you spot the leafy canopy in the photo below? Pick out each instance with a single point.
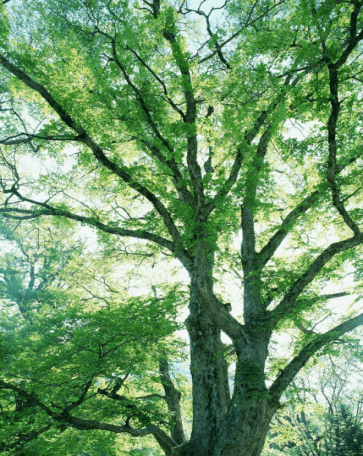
(171, 133)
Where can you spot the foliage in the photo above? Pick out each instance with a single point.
(323, 415)
(195, 146)
(68, 329)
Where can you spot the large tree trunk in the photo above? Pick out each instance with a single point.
(224, 426)
(244, 428)
(209, 376)
(242, 433)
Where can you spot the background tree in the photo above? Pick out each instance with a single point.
(168, 123)
(323, 413)
(75, 338)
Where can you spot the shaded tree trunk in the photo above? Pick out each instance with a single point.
(225, 426)
(209, 376)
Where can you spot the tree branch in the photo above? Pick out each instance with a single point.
(95, 148)
(275, 241)
(288, 303)
(212, 35)
(81, 398)
(23, 438)
(160, 81)
(26, 214)
(11, 141)
(137, 92)
(272, 245)
(170, 34)
(82, 424)
(30, 397)
(289, 372)
(98, 153)
(172, 397)
(249, 137)
(248, 23)
(181, 188)
(218, 312)
(332, 161)
(340, 294)
(354, 38)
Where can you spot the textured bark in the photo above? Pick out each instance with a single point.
(209, 376)
(172, 398)
(244, 430)
(242, 433)
(224, 426)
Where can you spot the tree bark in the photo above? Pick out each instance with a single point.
(242, 433)
(224, 426)
(209, 377)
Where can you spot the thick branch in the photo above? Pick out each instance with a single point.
(47, 210)
(236, 167)
(231, 180)
(218, 312)
(170, 34)
(248, 243)
(139, 234)
(332, 161)
(22, 439)
(160, 81)
(288, 303)
(249, 137)
(181, 188)
(81, 398)
(354, 38)
(138, 94)
(252, 302)
(95, 148)
(289, 372)
(275, 241)
(12, 141)
(172, 397)
(270, 248)
(82, 424)
(171, 163)
(31, 398)
(324, 297)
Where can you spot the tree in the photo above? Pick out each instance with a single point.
(67, 329)
(336, 433)
(171, 124)
(323, 414)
